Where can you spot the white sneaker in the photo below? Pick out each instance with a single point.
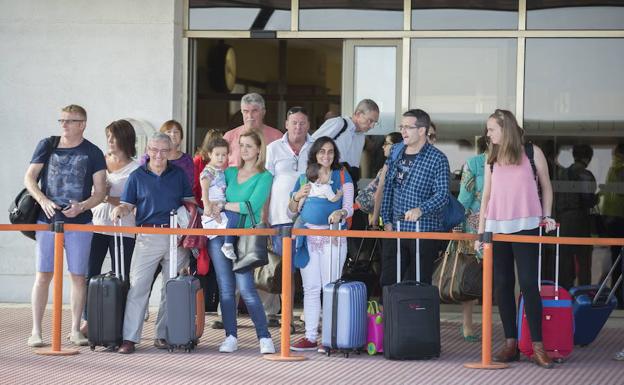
(229, 345)
(228, 251)
(266, 346)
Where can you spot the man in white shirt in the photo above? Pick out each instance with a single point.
(286, 160)
(349, 134)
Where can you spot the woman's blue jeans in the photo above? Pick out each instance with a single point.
(228, 281)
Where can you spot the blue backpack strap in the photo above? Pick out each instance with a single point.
(396, 151)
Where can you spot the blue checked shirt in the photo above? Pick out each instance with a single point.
(425, 184)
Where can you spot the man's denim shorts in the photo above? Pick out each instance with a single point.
(77, 250)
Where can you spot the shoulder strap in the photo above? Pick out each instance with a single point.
(53, 142)
(528, 149)
(251, 214)
(395, 151)
(342, 176)
(343, 129)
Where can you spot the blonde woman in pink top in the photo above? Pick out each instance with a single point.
(511, 205)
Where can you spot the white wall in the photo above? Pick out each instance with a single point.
(116, 58)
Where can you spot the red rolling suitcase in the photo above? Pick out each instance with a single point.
(557, 317)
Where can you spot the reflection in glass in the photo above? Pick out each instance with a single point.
(460, 82)
(350, 15)
(375, 78)
(460, 14)
(575, 14)
(244, 15)
(574, 86)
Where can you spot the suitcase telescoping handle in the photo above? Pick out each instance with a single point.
(398, 267)
(120, 258)
(539, 262)
(173, 246)
(334, 226)
(606, 279)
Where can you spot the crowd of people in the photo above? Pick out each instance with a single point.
(255, 173)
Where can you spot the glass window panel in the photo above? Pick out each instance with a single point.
(460, 82)
(375, 78)
(350, 15)
(460, 14)
(574, 87)
(575, 14)
(239, 15)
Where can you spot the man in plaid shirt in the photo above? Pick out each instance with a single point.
(416, 188)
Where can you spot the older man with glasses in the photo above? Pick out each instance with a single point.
(154, 190)
(349, 134)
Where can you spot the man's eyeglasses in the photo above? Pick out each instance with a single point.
(402, 127)
(295, 110)
(155, 151)
(69, 121)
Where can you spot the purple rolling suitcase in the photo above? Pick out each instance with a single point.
(344, 313)
(593, 305)
(106, 303)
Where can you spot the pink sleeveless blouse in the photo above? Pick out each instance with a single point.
(514, 203)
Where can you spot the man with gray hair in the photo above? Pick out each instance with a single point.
(349, 134)
(154, 190)
(253, 110)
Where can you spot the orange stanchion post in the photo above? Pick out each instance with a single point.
(57, 296)
(287, 305)
(486, 324)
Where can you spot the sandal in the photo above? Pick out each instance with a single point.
(469, 338)
(619, 356)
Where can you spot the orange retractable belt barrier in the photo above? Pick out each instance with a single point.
(284, 355)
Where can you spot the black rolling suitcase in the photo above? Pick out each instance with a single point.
(106, 303)
(411, 316)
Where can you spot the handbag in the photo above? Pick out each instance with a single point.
(269, 276)
(453, 213)
(24, 209)
(193, 241)
(459, 274)
(252, 249)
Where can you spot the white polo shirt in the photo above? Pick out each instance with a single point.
(349, 143)
(285, 167)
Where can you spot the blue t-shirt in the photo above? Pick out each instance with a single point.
(69, 176)
(156, 195)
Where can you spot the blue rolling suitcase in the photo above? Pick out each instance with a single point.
(344, 314)
(593, 305)
(411, 315)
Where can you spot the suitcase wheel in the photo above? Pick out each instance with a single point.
(345, 354)
(170, 349)
(92, 347)
(558, 360)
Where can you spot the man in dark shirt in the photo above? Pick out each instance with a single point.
(415, 190)
(154, 189)
(69, 173)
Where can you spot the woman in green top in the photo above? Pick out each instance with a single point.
(249, 182)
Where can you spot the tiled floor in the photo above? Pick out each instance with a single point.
(19, 364)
